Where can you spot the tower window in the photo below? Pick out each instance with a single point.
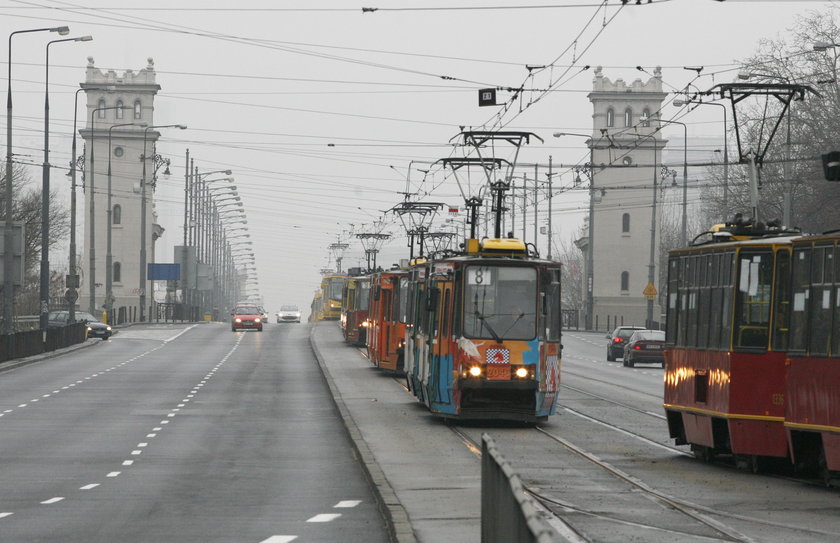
(117, 272)
(646, 117)
(610, 117)
(116, 217)
(625, 281)
(138, 111)
(628, 117)
(119, 109)
(625, 223)
(100, 106)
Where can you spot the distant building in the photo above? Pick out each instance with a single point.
(116, 99)
(625, 157)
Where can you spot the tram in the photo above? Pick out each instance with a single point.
(483, 333)
(315, 308)
(332, 286)
(727, 335)
(355, 301)
(386, 334)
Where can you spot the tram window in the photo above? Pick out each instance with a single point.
(683, 301)
(403, 300)
(820, 298)
(801, 273)
(553, 314)
(364, 295)
(752, 305)
(781, 308)
(386, 305)
(703, 299)
(726, 300)
(501, 302)
(444, 316)
(673, 318)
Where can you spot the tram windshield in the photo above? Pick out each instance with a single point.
(363, 295)
(500, 302)
(335, 286)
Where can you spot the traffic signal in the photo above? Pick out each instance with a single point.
(831, 166)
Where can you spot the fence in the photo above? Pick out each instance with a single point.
(508, 515)
(32, 342)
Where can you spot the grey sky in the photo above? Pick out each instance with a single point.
(311, 104)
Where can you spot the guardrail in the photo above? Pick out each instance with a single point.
(32, 342)
(508, 514)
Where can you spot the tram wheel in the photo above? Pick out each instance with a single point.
(701, 452)
(825, 474)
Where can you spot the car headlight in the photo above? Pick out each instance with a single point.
(108, 328)
(89, 328)
(237, 319)
(365, 324)
(257, 320)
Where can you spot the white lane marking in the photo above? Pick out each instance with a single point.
(157, 429)
(176, 410)
(52, 500)
(169, 415)
(23, 405)
(324, 517)
(34, 400)
(151, 435)
(181, 404)
(164, 422)
(7, 514)
(46, 395)
(176, 336)
(136, 452)
(347, 503)
(115, 473)
(276, 538)
(142, 444)
(90, 486)
(8, 410)
(127, 463)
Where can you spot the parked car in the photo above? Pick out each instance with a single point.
(615, 347)
(288, 313)
(645, 346)
(246, 317)
(95, 328)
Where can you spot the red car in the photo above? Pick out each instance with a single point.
(246, 317)
(645, 346)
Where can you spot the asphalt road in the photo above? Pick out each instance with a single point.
(180, 433)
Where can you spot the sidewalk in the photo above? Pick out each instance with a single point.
(428, 482)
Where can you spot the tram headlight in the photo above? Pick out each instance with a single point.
(365, 324)
(475, 371)
(522, 373)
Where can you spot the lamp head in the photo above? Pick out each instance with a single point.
(84, 38)
(62, 30)
(744, 74)
(822, 45)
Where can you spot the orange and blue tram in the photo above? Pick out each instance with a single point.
(483, 333)
(386, 333)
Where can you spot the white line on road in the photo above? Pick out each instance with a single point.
(324, 517)
(52, 500)
(4, 515)
(151, 435)
(127, 462)
(157, 429)
(277, 538)
(143, 444)
(90, 486)
(347, 503)
(136, 452)
(113, 474)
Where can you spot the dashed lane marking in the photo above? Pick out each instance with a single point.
(52, 500)
(324, 517)
(347, 503)
(279, 539)
(4, 515)
(89, 487)
(115, 473)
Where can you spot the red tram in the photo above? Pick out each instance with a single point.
(386, 334)
(355, 300)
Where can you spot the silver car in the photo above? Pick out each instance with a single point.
(288, 313)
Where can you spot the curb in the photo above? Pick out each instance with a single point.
(396, 517)
(19, 363)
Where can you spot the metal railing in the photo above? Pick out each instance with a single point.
(32, 342)
(508, 514)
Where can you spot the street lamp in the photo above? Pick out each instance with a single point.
(142, 270)
(73, 278)
(684, 229)
(679, 103)
(824, 45)
(44, 287)
(8, 227)
(590, 262)
(109, 271)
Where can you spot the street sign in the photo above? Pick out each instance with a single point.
(486, 97)
(71, 295)
(649, 292)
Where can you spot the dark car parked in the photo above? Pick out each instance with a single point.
(95, 328)
(645, 346)
(615, 348)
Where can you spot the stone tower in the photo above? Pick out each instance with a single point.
(116, 99)
(626, 155)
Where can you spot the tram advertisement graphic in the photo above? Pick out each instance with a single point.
(497, 356)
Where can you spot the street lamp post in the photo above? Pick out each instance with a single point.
(109, 271)
(44, 287)
(652, 257)
(8, 227)
(142, 287)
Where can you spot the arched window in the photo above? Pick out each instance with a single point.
(625, 223)
(138, 111)
(628, 117)
(100, 107)
(117, 272)
(116, 217)
(119, 109)
(625, 280)
(646, 117)
(610, 117)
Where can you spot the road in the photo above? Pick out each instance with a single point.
(180, 433)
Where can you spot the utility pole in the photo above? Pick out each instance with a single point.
(549, 206)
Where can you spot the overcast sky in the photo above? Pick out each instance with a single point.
(319, 107)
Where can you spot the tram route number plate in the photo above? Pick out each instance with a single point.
(498, 372)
